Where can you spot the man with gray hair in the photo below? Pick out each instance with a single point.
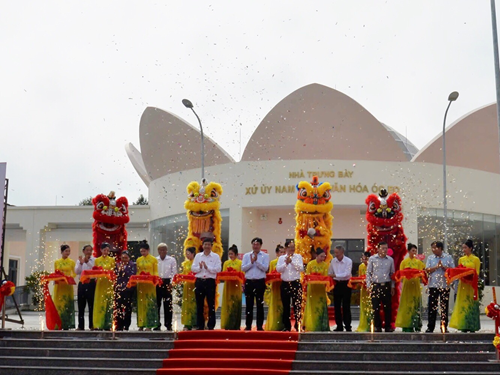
(167, 268)
(341, 271)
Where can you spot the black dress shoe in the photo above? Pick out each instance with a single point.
(348, 329)
(338, 329)
(157, 329)
(428, 330)
(248, 328)
(389, 330)
(260, 329)
(378, 330)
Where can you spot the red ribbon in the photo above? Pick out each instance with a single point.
(410, 273)
(181, 277)
(464, 274)
(95, 273)
(357, 282)
(317, 278)
(272, 277)
(231, 275)
(144, 278)
(58, 277)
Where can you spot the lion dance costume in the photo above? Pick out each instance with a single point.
(385, 218)
(203, 213)
(313, 218)
(110, 216)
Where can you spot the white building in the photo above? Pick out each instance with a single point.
(314, 130)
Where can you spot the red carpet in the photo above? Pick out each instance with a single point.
(231, 352)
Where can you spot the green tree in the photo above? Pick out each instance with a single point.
(86, 202)
(141, 201)
(33, 285)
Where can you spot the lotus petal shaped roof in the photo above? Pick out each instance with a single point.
(169, 144)
(318, 122)
(471, 142)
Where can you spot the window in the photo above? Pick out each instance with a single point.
(13, 270)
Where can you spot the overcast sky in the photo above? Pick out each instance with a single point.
(76, 76)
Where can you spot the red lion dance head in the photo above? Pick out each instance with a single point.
(385, 217)
(110, 216)
(385, 224)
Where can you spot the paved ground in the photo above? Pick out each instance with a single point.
(33, 320)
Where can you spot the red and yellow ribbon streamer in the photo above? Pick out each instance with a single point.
(96, 273)
(410, 273)
(316, 278)
(357, 282)
(184, 278)
(464, 274)
(144, 278)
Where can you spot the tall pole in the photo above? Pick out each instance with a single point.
(452, 97)
(497, 62)
(189, 105)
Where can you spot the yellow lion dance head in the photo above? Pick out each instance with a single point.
(314, 218)
(203, 213)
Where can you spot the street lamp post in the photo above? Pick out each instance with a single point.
(451, 98)
(187, 103)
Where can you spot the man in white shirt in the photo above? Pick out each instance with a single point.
(167, 268)
(255, 265)
(85, 291)
(290, 266)
(341, 271)
(206, 265)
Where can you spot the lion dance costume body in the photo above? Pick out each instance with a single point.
(385, 218)
(313, 218)
(203, 213)
(110, 216)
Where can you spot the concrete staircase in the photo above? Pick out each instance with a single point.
(142, 353)
(82, 352)
(395, 353)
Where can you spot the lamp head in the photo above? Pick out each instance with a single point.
(187, 103)
(453, 96)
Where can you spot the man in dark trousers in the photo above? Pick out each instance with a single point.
(381, 286)
(206, 265)
(167, 268)
(341, 271)
(255, 265)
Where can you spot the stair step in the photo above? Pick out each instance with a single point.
(394, 356)
(232, 353)
(85, 352)
(471, 367)
(30, 370)
(411, 346)
(231, 344)
(223, 363)
(77, 361)
(357, 372)
(88, 343)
